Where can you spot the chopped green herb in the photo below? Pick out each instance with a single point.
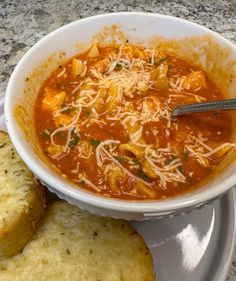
(44, 134)
(72, 144)
(118, 67)
(180, 168)
(185, 155)
(17, 172)
(189, 179)
(2, 145)
(170, 66)
(106, 147)
(161, 60)
(95, 142)
(88, 112)
(119, 159)
(68, 109)
(60, 86)
(135, 161)
(168, 161)
(141, 174)
(82, 182)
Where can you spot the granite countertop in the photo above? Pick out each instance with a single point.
(23, 23)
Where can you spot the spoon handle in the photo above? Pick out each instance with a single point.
(204, 106)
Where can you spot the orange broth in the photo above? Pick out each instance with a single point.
(103, 120)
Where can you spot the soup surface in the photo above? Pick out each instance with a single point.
(103, 120)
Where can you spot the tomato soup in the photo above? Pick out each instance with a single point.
(103, 119)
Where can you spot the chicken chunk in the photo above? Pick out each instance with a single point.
(62, 119)
(159, 77)
(53, 100)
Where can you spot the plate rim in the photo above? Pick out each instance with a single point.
(222, 271)
(221, 262)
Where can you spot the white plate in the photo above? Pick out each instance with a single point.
(197, 246)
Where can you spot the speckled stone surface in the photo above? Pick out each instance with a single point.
(23, 23)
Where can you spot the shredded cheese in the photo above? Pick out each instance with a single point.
(201, 151)
(102, 150)
(165, 172)
(89, 183)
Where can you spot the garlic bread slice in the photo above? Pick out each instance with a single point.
(22, 201)
(73, 245)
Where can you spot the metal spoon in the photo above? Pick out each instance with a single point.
(204, 106)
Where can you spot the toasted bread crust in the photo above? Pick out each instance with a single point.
(18, 222)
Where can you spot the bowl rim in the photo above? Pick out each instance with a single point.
(177, 203)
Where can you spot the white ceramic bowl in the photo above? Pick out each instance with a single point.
(191, 41)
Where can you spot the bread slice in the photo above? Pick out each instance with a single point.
(22, 201)
(73, 245)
